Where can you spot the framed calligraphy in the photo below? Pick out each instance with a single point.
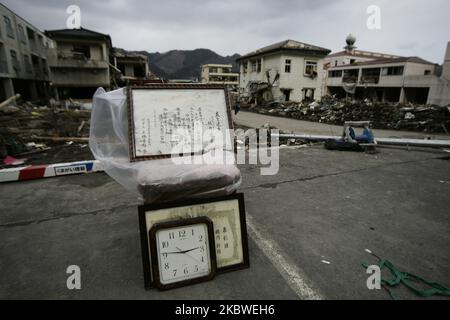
(165, 120)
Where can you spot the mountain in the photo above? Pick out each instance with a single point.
(184, 64)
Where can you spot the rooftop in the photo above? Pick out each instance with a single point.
(363, 54)
(386, 61)
(78, 33)
(288, 45)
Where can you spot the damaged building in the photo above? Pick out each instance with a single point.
(284, 71)
(80, 62)
(129, 66)
(23, 58)
(386, 78)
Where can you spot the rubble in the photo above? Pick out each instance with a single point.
(29, 129)
(426, 118)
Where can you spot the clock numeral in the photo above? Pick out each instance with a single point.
(174, 272)
(196, 268)
(164, 255)
(166, 266)
(203, 259)
(202, 249)
(192, 231)
(165, 244)
(200, 237)
(182, 233)
(172, 235)
(186, 271)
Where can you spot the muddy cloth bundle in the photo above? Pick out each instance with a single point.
(153, 181)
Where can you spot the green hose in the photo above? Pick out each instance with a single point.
(405, 278)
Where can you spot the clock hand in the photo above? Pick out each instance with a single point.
(186, 253)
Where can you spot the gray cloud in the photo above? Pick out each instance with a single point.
(409, 27)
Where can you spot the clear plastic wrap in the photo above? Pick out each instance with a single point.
(155, 180)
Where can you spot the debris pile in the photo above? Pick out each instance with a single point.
(27, 129)
(426, 118)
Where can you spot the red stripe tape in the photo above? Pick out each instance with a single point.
(34, 172)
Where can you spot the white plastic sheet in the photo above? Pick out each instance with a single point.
(155, 180)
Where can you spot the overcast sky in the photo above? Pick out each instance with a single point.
(408, 27)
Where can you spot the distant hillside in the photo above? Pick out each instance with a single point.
(184, 64)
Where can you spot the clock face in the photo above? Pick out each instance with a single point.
(183, 253)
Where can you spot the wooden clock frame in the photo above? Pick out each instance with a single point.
(154, 252)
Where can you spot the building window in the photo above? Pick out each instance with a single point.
(308, 94)
(287, 66)
(27, 64)
(427, 72)
(9, 29)
(254, 65)
(352, 61)
(311, 69)
(258, 68)
(335, 73)
(393, 71)
(15, 61)
(22, 36)
(245, 67)
(81, 52)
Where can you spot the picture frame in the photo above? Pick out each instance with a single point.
(182, 223)
(171, 106)
(226, 211)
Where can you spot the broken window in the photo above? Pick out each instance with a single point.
(370, 75)
(352, 61)
(259, 65)
(308, 94)
(351, 75)
(245, 67)
(9, 29)
(393, 71)
(81, 52)
(287, 66)
(427, 72)
(311, 68)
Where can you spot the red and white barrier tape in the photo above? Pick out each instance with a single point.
(51, 170)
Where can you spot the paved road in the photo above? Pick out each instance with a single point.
(255, 120)
(322, 205)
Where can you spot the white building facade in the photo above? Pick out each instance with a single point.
(219, 74)
(386, 78)
(285, 71)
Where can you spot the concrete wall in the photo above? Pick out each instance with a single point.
(440, 92)
(69, 72)
(296, 80)
(29, 44)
